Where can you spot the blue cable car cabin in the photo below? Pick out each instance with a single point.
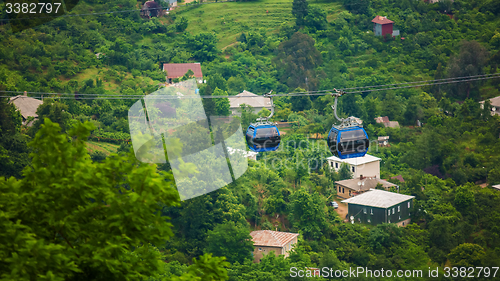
(348, 142)
(262, 138)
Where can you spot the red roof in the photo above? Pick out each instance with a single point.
(381, 20)
(272, 238)
(384, 119)
(177, 70)
(399, 178)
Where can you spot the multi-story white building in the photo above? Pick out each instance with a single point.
(366, 166)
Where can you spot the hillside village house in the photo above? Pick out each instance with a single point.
(27, 106)
(177, 70)
(495, 105)
(255, 101)
(383, 141)
(368, 165)
(387, 123)
(352, 187)
(379, 206)
(383, 26)
(151, 9)
(267, 241)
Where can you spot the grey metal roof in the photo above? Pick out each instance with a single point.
(494, 101)
(378, 198)
(250, 99)
(26, 105)
(364, 184)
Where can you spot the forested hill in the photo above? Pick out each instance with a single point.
(91, 67)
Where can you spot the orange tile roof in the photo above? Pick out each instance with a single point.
(272, 238)
(381, 20)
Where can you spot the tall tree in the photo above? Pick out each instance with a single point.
(13, 145)
(299, 11)
(296, 61)
(470, 60)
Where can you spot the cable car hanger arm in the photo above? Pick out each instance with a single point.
(272, 108)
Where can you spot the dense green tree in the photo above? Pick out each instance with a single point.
(299, 11)
(13, 145)
(54, 110)
(467, 255)
(296, 61)
(359, 7)
(315, 19)
(231, 241)
(74, 227)
(345, 172)
(470, 61)
(203, 46)
(307, 213)
(221, 104)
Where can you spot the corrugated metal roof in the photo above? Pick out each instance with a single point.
(381, 20)
(272, 238)
(364, 184)
(26, 105)
(378, 198)
(494, 101)
(176, 70)
(497, 186)
(250, 99)
(356, 161)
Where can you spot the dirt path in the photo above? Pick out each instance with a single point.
(232, 44)
(342, 209)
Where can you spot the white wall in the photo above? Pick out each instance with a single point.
(371, 169)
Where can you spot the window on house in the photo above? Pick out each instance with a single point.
(353, 169)
(260, 249)
(331, 164)
(369, 220)
(389, 212)
(408, 204)
(349, 193)
(393, 210)
(343, 191)
(399, 217)
(336, 165)
(389, 221)
(364, 210)
(339, 188)
(371, 211)
(399, 209)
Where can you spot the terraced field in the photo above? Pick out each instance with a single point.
(105, 147)
(229, 20)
